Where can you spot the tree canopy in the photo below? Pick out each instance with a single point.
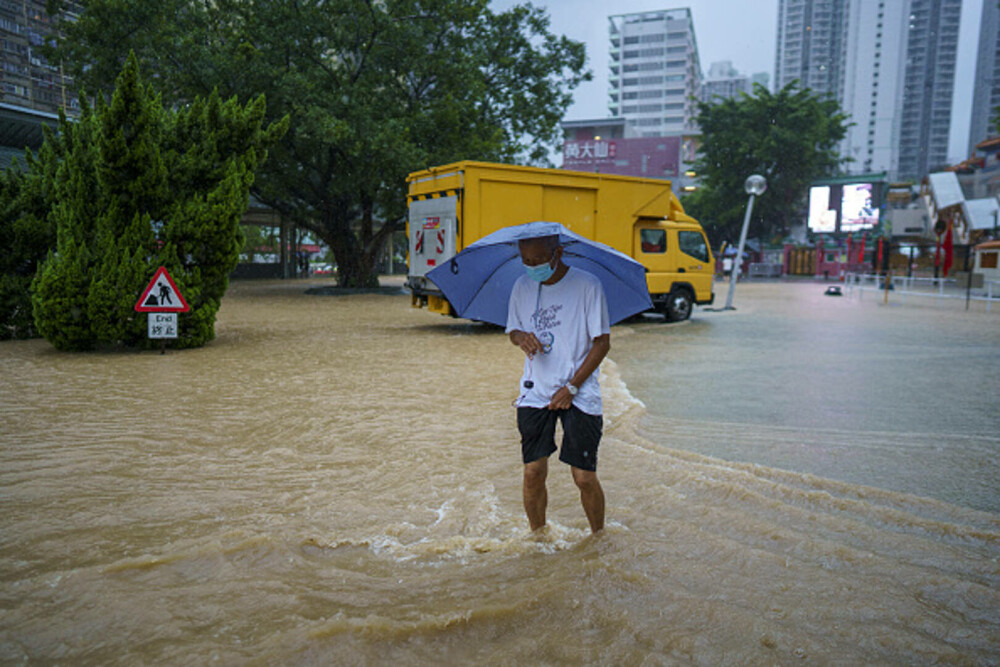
(790, 137)
(375, 89)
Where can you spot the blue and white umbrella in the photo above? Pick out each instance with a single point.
(478, 281)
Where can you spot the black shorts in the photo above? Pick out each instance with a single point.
(581, 435)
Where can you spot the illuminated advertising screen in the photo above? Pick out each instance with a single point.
(856, 208)
(822, 218)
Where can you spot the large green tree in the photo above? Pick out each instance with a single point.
(133, 186)
(790, 137)
(375, 89)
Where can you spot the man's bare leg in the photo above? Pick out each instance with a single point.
(536, 496)
(591, 496)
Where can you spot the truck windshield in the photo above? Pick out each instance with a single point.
(693, 244)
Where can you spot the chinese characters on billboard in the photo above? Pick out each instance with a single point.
(652, 157)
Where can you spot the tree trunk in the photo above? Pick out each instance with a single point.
(356, 266)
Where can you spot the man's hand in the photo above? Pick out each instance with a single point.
(562, 400)
(527, 342)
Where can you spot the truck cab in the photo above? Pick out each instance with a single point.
(678, 262)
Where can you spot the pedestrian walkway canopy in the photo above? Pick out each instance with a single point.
(21, 128)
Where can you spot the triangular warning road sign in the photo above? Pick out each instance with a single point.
(162, 296)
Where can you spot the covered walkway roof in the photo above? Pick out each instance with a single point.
(21, 128)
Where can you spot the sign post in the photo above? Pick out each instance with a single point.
(162, 301)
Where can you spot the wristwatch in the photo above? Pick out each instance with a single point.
(572, 389)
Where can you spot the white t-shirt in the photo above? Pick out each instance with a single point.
(570, 315)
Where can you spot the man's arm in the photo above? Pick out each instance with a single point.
(527, 342)
(602, 345)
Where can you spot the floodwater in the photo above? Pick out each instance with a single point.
(336, 479)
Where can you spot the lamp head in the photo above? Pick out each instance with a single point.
(755, 185)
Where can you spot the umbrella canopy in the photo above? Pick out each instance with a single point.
(478, 281)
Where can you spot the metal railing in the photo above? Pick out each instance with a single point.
(763, 270)
(941, 289)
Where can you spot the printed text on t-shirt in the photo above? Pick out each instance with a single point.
(546, 318)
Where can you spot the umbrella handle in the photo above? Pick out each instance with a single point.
(454, 266)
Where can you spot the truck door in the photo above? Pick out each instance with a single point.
(695, 259)
(433, 224)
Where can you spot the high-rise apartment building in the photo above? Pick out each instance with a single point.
(986, 88)
(874, 70)
(725, 82)
(928, 85)
(27, 79)
(890, 64)
(655, 71)
(811, 44)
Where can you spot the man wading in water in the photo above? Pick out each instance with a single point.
(559, 317)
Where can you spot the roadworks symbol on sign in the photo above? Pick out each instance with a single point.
(162, 296)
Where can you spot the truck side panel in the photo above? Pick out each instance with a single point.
(499, 204)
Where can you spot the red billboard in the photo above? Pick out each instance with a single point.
(652, 157)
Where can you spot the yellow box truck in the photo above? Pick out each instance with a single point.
(454, 205)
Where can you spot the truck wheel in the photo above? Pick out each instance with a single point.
(678, 305)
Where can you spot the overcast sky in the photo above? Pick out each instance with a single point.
(741, 31)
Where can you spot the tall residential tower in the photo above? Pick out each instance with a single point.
(655, 71)
(811, 44)
(890, 64)
(986, 88)
(27, 79)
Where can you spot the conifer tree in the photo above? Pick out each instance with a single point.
(141, 187)
(132, 186)
(61, 288)
(27, 231)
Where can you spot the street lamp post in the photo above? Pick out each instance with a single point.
(754, 186)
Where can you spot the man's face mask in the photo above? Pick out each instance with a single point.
(541, 272)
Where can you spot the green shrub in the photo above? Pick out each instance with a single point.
(138, 187)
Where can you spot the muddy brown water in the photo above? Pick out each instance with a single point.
(336, 480)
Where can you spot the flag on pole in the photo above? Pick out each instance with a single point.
(878, 263)
(861, 250)
(948, 250)
(848, 248)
